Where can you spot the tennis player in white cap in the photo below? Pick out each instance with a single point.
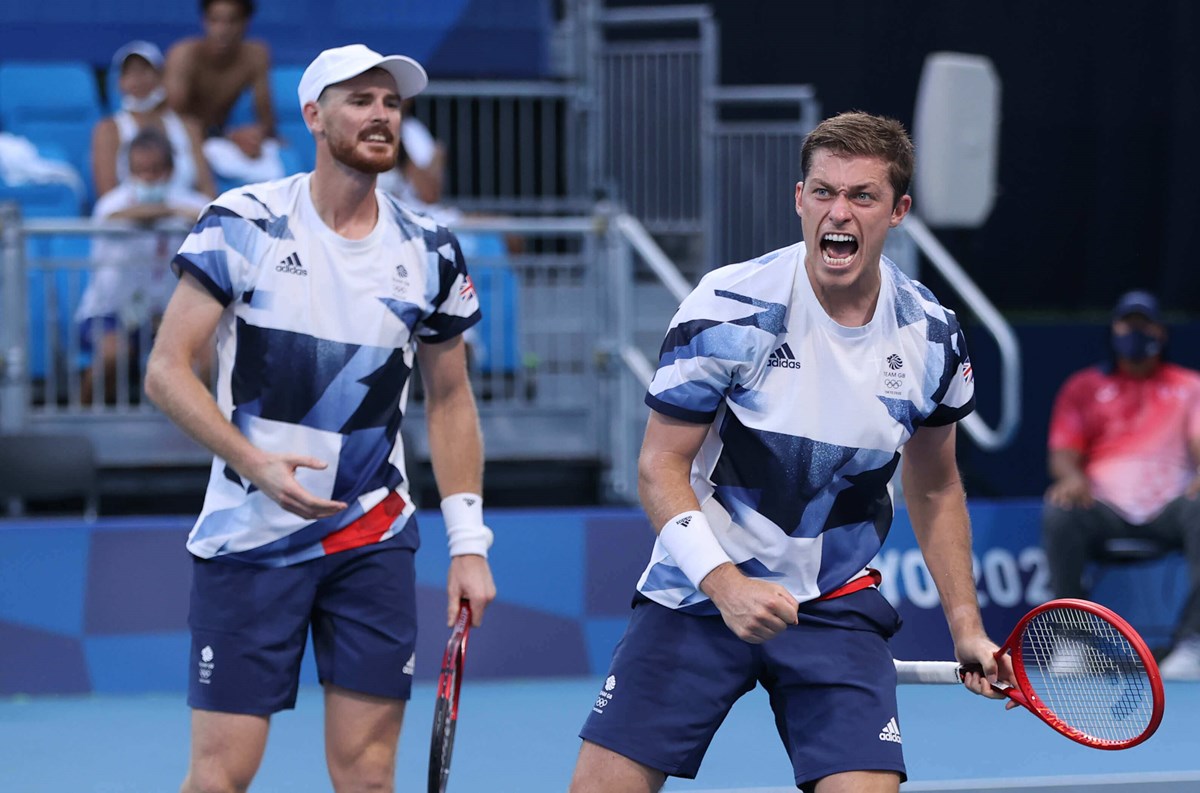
(321, 291)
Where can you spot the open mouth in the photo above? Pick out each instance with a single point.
(838, 249)
(378, 137)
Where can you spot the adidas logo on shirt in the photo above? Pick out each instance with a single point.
(783, 358)
(291, 265)
(890, 732)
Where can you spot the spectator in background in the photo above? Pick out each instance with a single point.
(144, 106)
(132, 282)
(204, 78)
(1123, 453)
(420, 170)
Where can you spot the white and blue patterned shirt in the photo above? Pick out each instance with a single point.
(315, 350)
(806, 417)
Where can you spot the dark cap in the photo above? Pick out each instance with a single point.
(1137, 302)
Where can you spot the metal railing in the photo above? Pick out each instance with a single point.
(989, 438)
(512, 147)
(712, 164)
(558, 367)
(757, 135)
(550, 363)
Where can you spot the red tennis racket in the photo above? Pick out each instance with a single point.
(445, 714)
(1080, 668)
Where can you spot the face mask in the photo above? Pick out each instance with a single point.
(1135, 345)
(149, 192)
(146, 103)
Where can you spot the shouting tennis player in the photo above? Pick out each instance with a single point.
(319, 288)
(787, 387)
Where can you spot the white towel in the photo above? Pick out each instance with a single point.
(20, 163)
(227, 160)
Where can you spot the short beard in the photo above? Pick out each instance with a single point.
(347, 153)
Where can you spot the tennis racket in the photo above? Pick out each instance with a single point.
(445, 714)
(1080, 668)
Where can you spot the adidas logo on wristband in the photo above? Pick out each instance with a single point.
(684, 521)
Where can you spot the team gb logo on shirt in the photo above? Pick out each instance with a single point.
(399, 281)
(892, 379)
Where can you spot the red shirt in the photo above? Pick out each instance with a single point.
(1133, 434)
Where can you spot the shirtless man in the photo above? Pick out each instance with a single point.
(204, 77)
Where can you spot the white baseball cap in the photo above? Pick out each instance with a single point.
(143, 49)
(341, 63)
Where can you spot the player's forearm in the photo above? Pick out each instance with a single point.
(455, 442)
(664, 486)
(176, 390)
(943, 530)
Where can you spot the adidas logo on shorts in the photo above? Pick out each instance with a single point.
(890, 732)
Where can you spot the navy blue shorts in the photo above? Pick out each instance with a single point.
(250, 624)
(832, 686)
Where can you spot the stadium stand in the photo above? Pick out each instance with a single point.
(519, 148)
(499, 39)
(54, 105)
(299, 149)
(495, 348)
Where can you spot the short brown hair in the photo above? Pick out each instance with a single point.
(859, 134)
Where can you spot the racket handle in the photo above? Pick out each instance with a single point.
(928, 672)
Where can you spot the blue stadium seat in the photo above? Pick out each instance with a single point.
(242, 112)
(53, 297)
(285, 82)
(49, 201)
(52, 103)
(495, 345)
(111, 90)
(299, 149)
(52, 200)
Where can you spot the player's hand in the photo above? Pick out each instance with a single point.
(1070, 492)
(249, 139)
(753, 609)
(275, 476)
(983, 671)
(470, 579)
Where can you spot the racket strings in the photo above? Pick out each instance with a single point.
(1087, 674)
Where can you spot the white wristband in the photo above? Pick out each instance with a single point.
(690, 541)
(465, 532)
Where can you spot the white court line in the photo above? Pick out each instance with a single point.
(1168, 779)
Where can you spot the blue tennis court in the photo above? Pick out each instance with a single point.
(93, 621)
(521, 737)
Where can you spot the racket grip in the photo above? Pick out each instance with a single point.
(928, 672)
